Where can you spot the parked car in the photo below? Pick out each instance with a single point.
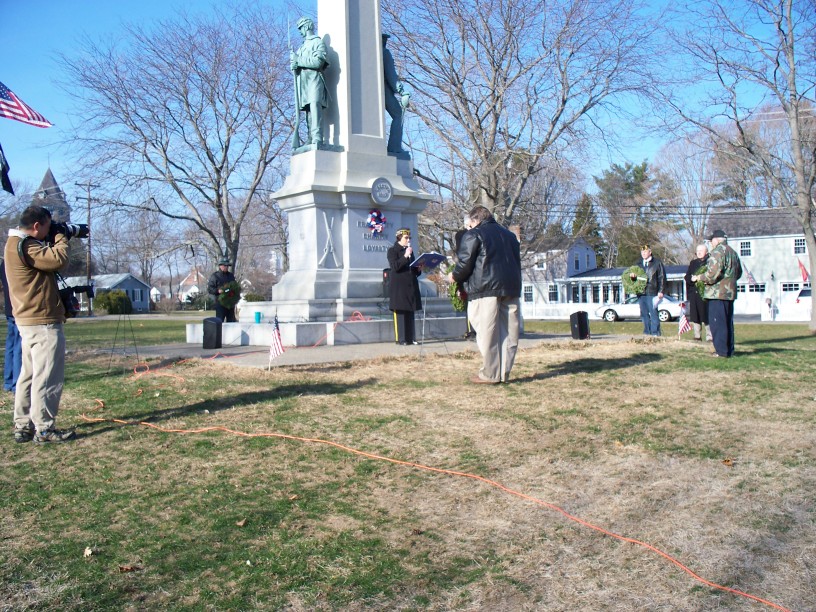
(667, 310)
(802, 306)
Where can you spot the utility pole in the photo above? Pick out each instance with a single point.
(87, 198)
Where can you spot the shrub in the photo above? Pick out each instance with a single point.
(115, 302)
(254, 297)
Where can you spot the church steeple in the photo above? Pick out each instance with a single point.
(51, 196)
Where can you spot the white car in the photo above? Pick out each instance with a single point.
(667, 310)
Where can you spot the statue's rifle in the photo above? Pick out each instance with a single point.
(296, 135)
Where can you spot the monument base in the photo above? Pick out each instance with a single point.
(333, 310)
(329, 333)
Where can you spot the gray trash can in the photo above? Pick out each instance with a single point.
(212, 333)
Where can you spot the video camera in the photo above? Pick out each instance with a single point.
(69, 300)
(80, 230)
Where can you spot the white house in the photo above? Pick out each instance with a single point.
(772, 249)
(543, 291)
(564, 281)
(195, 283)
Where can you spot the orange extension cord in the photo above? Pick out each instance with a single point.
(428, 468)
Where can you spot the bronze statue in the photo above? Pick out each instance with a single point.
(396, 99)
(311, 95)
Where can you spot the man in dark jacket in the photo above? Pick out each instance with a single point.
(653, 293)
(489, 266)
(698, 309)
(215, 286)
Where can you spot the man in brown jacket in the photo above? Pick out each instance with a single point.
(31, 264)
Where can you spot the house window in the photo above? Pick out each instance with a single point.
(790, 287)
(596, 293)
(541, 265)
(760, 288)
(745, 249)
(553, 293)
(528, 293)
(741, 288)
(799, 247)
(606, 293)
(586, 267)
(575, 295)
(577, 262)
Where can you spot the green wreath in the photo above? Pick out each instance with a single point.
(699, 284)
(634, 280)
(230, 294)
(457, 297)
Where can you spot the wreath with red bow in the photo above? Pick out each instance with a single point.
(376, 221)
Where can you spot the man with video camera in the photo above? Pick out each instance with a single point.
(34, 252)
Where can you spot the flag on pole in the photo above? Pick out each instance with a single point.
(684, 324)
(12, 107)
(751, 279)
(276, 347)
(4, 173)
(805, 274)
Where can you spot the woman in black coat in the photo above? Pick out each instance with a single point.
(698, 308)
(404, 297)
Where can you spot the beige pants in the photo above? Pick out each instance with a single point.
(39, 387)
(496, 321)
(698, 331)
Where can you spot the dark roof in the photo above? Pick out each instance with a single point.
(50, 195)
(754, 222)
(615, 273)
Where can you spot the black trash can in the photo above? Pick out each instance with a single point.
(386, 283)
(579, 322)
(212, 333)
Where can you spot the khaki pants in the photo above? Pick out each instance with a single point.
(496, 321)
(39, 387)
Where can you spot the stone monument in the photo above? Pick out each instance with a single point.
(336, 259)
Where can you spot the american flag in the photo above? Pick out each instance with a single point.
(684, 325)
(13, 107)
(751, 278)
(276, 348)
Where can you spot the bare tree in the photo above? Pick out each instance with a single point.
(185, 119)
(505, 89)
(691, 176)
(764, 46)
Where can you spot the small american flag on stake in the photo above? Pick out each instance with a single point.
(13, 107)
(276, 347)
(684, 324)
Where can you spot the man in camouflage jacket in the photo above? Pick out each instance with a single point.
(722, 272)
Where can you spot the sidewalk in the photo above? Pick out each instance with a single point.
(258, 356)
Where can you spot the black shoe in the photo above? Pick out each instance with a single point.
(54, 435)
(23, 434)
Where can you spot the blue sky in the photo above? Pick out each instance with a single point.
(35, 32)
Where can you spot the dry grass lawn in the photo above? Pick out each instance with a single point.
(711, 461)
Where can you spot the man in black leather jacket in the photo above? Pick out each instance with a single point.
(489, 267)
